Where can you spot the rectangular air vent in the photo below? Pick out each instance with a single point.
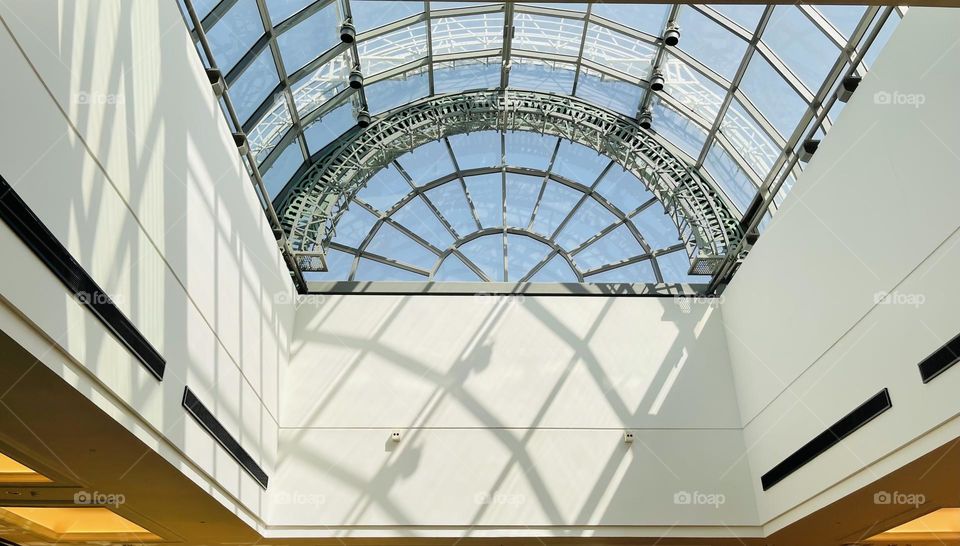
(58, 260)
(873, 407)
(941, 360)
(206, 419)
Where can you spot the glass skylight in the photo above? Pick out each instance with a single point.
(735, 105)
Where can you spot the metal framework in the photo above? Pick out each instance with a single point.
(593, 45)
(312, 207)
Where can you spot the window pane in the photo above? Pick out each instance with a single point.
(556, 270)
(270, 128)
(656, 228)
(589, 219)
(388, 94)
(475, 150)
(771, 94)
(253, 86)
(533, 150)
(674, 268)
(306, 40)
(618, 51)
(282, 9)
(638, 272)
(578, 163)
(730, 177)
(801, 45)
(233, 35)
(542, 75)
(339, 265)
(384, 189)
(453, 269)
(486, 192)
(451, 201)
(843, 18)
(523, 254)
(547, 34)
(486, 253)
(353, 226)
(277, 176)
(678, 129)
(748, 139)
(370, 14)
(427, 163)
(692, 89)
(522, 194)
(466, 33)
(322, 85)
(390, 242)
(623, 190)
(608, 92)
(713, 45)
(369, 270)
(649, 18)
(325, 130)
(418, 218)
(556, 204)
(613, 247)
(393, 49)
(745, 15)
(466, 75)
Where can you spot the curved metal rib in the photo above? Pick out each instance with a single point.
(311, 208)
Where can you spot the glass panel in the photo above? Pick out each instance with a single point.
(556, 270)
(608, 92)
(370, 14)
(486, 253)
(589, 219)
(618, 51)
(450, 200)
(486, 192)
(339, 265)
(523, 254)
(393, 49)
(547, 34)
(370, 270)
(531, 150)
(613, 247)
(234, 34)
(277, 176)
(203, 7)
(623, 190)
(771, 94)
(392, 243)
(710, 43)
(542, 75)
(427, 163)
(353, 226)
(270, 128)
(435, 5)
(466, 75)
(322, 85)
(801, 45)
(692, 89)
(730, 177)
(466, 33)
(649, 18)
(251, 88)
(748, 139)
(282, 9)
(678, 128)
(418, 218)
(388, 94)
(522, 193)
(578, 163)
(453, 269)
(674, 268)
(638, 272)
(476, 150)
(556, 204)
(384, 189)
(656, 228)
(843, 18)
(306, 40)
(334, 123)
(745, 15)
(570, 6)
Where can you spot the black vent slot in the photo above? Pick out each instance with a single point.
(220, 434)
(58, 260)
(941, 360)
(846, 426)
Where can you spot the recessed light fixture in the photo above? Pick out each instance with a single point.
(12, 471)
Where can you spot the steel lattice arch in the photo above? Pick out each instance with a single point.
(311, 208)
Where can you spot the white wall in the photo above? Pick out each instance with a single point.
(523, 400)
(113, 137)
(874, 212)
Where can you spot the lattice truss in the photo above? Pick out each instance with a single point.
(704, 221)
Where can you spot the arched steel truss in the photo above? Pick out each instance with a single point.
(313, 205)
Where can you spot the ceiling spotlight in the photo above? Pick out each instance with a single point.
(240, 140)
(809, 147)
(656, 82)
(216, 80)
(645, 119)
(672, 36)
(850, 84)
(348, 32)
(363, 119)
(356, 78)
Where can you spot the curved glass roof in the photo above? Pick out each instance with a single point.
(744, 87)
(512, 206)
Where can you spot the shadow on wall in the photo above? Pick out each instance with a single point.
(153, 201)
(437, 367)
